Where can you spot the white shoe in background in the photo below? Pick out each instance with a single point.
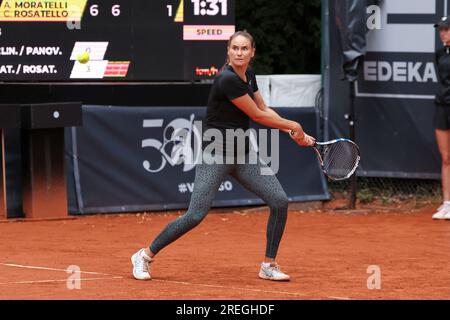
(447, 215)
(442, 212)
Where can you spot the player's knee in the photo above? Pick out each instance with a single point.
(196, 219)
(280, 203)
(445, 158)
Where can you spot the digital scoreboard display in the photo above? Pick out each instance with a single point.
(124, 40)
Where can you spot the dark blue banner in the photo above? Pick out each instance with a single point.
(126, 159)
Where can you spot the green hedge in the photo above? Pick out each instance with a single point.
(287, 34)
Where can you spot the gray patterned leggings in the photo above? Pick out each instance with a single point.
(208, 178)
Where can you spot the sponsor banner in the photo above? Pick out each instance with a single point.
(135, 158)
(395, 89)
(400, 51)
(210, 72)
(398, 75)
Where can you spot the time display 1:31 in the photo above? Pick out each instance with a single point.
(210, 7)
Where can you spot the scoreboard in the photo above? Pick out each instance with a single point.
(127, 40)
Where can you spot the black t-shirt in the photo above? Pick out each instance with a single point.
(443, 66)
(221, 112)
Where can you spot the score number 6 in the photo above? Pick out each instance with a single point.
(115, 10)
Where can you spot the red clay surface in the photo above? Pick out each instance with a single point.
(326, 253)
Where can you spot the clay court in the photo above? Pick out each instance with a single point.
(326, 252)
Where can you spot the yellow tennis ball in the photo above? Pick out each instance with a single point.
(83, 57)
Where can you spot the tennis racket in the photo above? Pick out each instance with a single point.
(338, 158)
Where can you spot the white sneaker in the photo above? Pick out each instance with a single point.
(447, 215)
(442, 212)
(272, 272)
(141, 265)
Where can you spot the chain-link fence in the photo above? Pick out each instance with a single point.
(390, 190)
(387, 190)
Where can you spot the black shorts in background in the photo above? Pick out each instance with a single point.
(442, 117)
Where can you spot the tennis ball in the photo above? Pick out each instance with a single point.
(83, 57)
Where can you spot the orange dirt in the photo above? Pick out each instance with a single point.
(326, 252)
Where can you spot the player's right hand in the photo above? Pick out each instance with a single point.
(304, 140)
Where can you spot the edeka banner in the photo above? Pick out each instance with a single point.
(394, 91)
(129, 159)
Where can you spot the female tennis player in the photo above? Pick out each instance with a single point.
(234, 100)
(442, 114)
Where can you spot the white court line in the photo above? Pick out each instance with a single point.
(339, 298)
(246, 289)
(50, 269)
(164, 281)
(155, 280)
(64, 280)
(233, 288)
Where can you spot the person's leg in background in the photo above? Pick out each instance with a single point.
(443, 141)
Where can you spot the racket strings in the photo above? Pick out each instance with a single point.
(340, 159)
